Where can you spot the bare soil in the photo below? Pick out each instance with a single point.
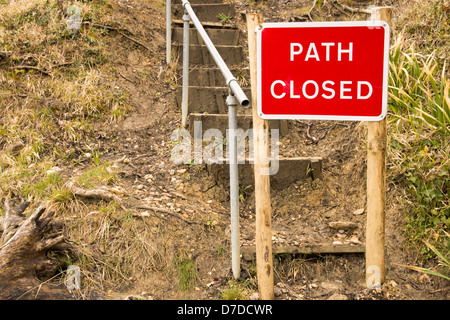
(140, 149)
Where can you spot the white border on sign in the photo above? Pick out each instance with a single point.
(369, 24)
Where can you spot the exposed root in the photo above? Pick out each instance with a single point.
(24, 248)
(101, 193)
(166, 211)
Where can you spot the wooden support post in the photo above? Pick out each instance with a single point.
(264, 258)
(376, 188)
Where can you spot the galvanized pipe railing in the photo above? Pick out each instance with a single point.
(185, 86)
(168, 31)
(229, 78)
(236, 95)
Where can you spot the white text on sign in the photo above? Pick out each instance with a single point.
(312, 53)
(310, 89)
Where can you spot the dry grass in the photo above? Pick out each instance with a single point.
(426, 24)
(419, 142)
(115, 248)
(53, 87)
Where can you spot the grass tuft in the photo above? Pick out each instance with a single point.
(187, 273)
(419, 142)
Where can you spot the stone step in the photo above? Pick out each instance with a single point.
(203, 1)
(229, 37)
(209, 100)
(212, 77)
(199, 55)
(249, 252)
(290, 170)
(220, 122)
(205, 12)
(207, 24)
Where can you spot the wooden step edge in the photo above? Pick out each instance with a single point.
(220, 121)
(218, 115)
(251, 160)
(249, 252)
(193, 45)
(206, 2)
(218, 88)
(244, 67)
(208, 24)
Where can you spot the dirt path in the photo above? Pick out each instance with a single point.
(192, 221)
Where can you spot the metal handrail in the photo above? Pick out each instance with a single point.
(229, 78)
(236, 95)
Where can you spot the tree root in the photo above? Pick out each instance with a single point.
(24, 246)
(31, 68)
(5, 54)
(166, 211)
(101, 193)
(350, 9)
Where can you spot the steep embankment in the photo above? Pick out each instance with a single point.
(95, 109)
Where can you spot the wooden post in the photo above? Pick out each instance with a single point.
(264, 259)
(376, 187)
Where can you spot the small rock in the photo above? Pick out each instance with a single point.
(330, 213)
(140, 187)
(331, 286)
(134, 297)
(344, 225)
(358, 212)
(312, 285)
(277, 292)
(337, 243)
(117, 190)
(53, 170)
(338, 296)
(15, 148)
(354, 240)
(254, 296)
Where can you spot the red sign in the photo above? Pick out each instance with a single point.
(323, 70)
